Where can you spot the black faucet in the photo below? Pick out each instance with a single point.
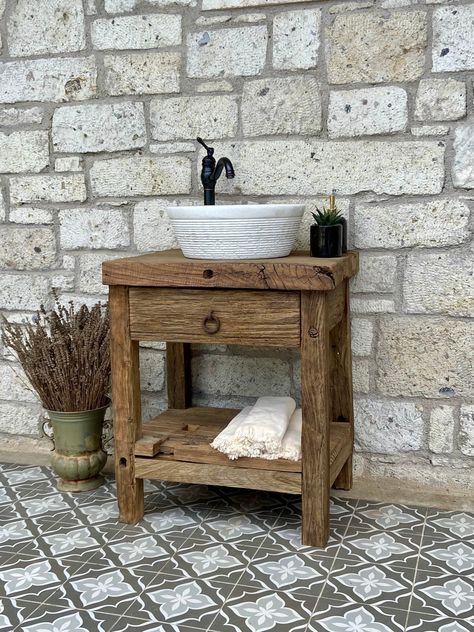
(211, 172)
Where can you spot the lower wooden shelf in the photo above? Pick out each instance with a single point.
(175, 447)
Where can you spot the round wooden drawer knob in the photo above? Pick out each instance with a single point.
(211, 324)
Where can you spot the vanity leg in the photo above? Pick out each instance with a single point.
(178, 374)
(126, 406)
(316, 418)
(343, 409)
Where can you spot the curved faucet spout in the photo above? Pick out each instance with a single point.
(221, 164)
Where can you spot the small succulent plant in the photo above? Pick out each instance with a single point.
(327, 217)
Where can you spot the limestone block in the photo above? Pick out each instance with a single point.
(152, 227)
(90, 127)
(367, 111)
(172, 148)
(152, 370)
(140, 175)
(24, 151)
(68, 163)
(372, 305)
(439, 222)
(137, 31)
(414, 167)
(463, 163)
(30, 215)
(376, 273)
(21, 419)
(430, 130)
(215, 86)
(425, 357)
(440, 100)
(388, 427)
(26, 248)
(441, 282)
(453, 38)
(376, 47)
(209, 5)
(269, 106)
(188, 117)
(58, 79)
(296, 39)
(441, 429)
(90, 270)
(240, 375)
(361, 375)
(14, 384)
(342, 7)
(23, 291)
(93, 228)
(362, 336)
(142, 73)
(466, 433)
(51, 26)
(124, 6)
(227, 52)
(49, 187)
(17, 116)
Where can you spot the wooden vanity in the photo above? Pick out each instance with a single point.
(296, 301)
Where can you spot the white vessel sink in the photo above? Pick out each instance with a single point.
(236, 231)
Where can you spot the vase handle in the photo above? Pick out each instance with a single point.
(107, 435)
(48, 433)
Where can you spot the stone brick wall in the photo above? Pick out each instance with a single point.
(100, 103)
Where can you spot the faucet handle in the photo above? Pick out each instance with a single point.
(210, 150)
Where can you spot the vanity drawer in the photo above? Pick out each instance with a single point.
(247, 317)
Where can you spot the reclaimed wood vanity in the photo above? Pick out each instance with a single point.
(296, 301)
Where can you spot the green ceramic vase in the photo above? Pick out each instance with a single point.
(78, 454)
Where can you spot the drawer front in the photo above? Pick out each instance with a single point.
(217, 316)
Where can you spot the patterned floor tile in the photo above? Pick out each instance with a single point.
(12, 474)
(443, 595)
(293, 572)
(193, 602)
(78, 544)
(34, 579)
(99, 589)
(222, 562)
(287, 533)
(341, 510)
(248, 529)
(396, 548)
(49, 618)
(126, 549)
(457, 525)
(14, 611)
(128, 624)
(50, 507)
(389, 517)
(447, 556)
(332, 616)
(425, 623)
(382, 586)
(258, 609)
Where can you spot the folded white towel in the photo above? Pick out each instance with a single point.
(264, 431)
(291, 444)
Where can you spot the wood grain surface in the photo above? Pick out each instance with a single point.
(170, 268)
(215, 316)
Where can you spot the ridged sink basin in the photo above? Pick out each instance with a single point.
(236, 231)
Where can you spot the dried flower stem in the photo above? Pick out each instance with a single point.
(65, 355)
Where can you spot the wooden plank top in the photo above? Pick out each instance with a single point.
(170, 268)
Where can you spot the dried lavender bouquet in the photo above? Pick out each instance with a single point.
(65, 354)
